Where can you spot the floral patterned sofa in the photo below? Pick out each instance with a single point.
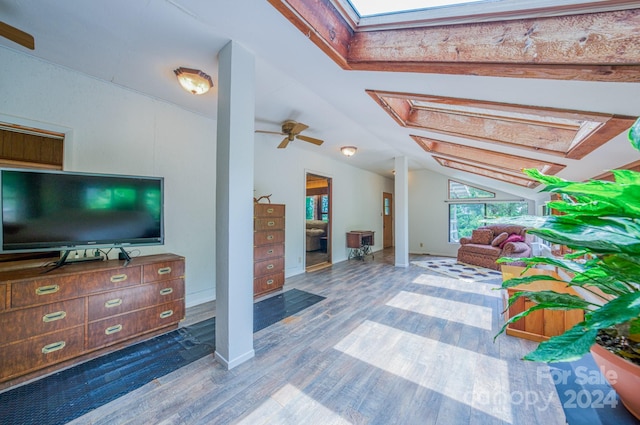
(488, 243)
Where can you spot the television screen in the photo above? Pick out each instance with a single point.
(44, 210)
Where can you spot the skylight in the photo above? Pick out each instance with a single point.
(366, 8)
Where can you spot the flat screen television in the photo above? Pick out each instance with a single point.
(55, 210)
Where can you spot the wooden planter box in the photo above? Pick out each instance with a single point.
(542, 324)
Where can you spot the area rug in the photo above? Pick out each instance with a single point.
(71, 393)
(452, 268)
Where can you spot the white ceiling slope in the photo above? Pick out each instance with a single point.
(138, 44)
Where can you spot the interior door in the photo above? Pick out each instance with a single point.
(387, 220)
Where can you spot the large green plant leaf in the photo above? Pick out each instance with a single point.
(570, 346)
(524, 280)
(604, 235)
(634, 134)
(621, 197)
(619, 310)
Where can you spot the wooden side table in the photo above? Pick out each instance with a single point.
(360, 242)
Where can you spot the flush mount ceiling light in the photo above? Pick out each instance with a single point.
(348, 150)
(194, 80)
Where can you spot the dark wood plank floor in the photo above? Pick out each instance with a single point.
(387, 346)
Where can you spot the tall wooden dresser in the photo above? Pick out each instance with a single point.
(268, 248)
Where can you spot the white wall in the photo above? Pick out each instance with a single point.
(113, 130)
(429, 213)
(356, 195)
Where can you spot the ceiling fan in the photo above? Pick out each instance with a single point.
(17, 36)
(292, 129)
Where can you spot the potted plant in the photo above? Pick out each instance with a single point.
(600, 222)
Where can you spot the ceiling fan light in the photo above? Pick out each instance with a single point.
(193, 80)
(348, 150)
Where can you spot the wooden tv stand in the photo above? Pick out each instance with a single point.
(50, 321)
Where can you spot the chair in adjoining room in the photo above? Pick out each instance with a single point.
(488, 243)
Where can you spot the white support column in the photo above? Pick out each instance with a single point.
(401, 211)
(234, 206)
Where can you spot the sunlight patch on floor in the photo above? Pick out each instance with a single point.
(289, 405)
(465, 313)
(470, 378)
(481, 288)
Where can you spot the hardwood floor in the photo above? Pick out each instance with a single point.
(387, 346)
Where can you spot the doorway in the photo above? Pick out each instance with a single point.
(317, 222)
(387, 220)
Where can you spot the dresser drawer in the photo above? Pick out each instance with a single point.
(268, 210)
(270, 266)
(163, 271)
(268, 283)
(36, 353)
(57, 288)
(3, 297)
(274, 223)
(25, 323)
(135, 298)
(268, 237)
(268, 251)
(115, 329)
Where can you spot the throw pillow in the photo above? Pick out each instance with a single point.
(512, 238)
(500, 238)
(482, 236)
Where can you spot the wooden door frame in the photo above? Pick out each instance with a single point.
(330, 213)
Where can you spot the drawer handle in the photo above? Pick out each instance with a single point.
(270, 251)
(270, 266)
(113, 329)
(166, 314)
(50, 348)
(52, 317)
(118, 278)
(269, 237)
(164, 270)
(166, 291)
(46, 290)
(270, 282)
(113, 303)
(271, 223)
(270, 210)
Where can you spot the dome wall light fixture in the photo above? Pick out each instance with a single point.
(193, 80)
(348, 150)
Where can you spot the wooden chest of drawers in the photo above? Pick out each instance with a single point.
(80, 309)
(268, 251)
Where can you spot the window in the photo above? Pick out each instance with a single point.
(382, 7)
(317, 207)
(463, 191)
(311, 207)
(324, 208)
(464, 217)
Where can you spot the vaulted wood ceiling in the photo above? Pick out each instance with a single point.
(599, 46)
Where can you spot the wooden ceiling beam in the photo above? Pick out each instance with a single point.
(485, 157)
(494, 130)
(486, 172)
(600, 46)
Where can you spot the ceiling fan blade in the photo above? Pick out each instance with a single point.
(17, 36)
(311, 140)
(284, 143)
(270, 132)
(299, 127)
